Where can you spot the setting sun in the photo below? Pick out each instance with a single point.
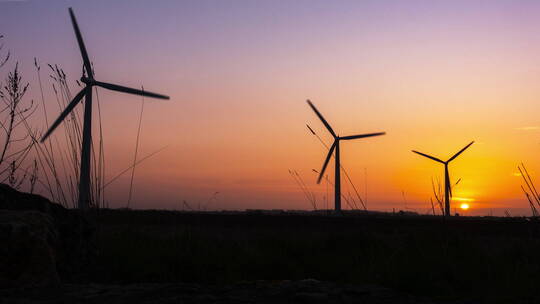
(464, 206)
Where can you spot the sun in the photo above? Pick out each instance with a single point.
(464, 206)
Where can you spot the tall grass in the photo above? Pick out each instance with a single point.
(136, 150)
(16, 144)
(438, 193)
(51, 168)
(310, 196)
(529, 190)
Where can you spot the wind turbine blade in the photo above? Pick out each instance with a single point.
(449, 183)
(65, 113)
(428, 156)
(82, 47)
(362, 135)
(118, 88)
(321, 118)
(460, 151)
(326, 162)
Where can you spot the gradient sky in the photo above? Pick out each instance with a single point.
(433, 74)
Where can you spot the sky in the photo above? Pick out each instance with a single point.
(434, 75)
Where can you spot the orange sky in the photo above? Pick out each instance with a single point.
(433, 76)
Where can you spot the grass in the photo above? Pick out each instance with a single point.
(479, 259)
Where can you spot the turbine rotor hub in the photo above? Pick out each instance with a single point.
(88, 81)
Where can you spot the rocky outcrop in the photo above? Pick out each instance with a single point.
(28, 252)
(73, 246)
(11, 199)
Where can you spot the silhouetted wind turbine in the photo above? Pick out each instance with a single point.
(335, 146)
(90, 82)
(447, 187)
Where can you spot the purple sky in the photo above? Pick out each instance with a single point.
(433, 74)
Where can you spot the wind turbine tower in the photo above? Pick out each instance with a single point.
(86, 92)
(447, 186)
(335, 146)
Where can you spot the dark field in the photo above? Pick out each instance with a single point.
(490, 259)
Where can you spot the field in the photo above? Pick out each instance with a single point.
(479, 259)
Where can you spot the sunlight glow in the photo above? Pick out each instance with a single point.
(464, 206)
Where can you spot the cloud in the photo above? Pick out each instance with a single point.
(463, 199)
(528, 128)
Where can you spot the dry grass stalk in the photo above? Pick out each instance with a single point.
(531, 195)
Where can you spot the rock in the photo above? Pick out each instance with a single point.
(75, 248)
(27, 253)
(12, 199)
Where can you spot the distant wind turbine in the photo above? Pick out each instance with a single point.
(335, 146)
(447, 186)
(90, 82)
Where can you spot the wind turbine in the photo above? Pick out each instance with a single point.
(447, 187)
(90, 82)
(335, 146)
